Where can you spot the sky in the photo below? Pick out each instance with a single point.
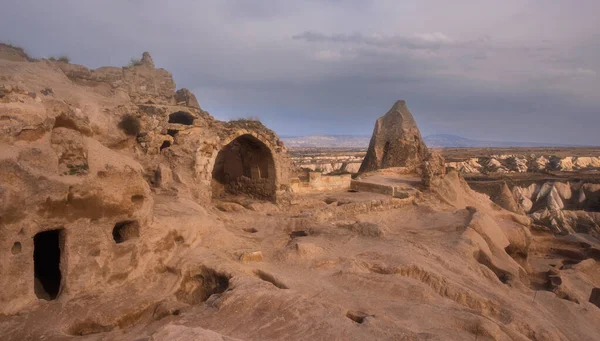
(505, 70)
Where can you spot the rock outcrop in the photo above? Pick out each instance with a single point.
(504, 198)
(433, 165)
(187, 98)
(525, 163)
(13, 53)
(82, 154)
(564, 207)
(396, 142)
(350, 161)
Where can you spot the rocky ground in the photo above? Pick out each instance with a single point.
(343, 266)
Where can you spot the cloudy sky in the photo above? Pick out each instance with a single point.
(504, 70)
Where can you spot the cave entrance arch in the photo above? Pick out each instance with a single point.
(245, 166)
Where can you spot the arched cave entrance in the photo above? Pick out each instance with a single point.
(244, 166)
(181, 117)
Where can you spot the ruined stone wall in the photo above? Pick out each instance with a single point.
(209, 148)
(318, 183)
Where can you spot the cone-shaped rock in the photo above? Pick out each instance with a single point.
(505, 199)
(396, 142)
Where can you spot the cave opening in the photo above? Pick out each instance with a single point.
(244, 166)
(181, 117)
(165, 144)
(126, 230)
(46, 260)
(386, 153)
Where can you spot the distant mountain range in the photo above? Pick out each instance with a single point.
(327, 141)
(432, 141)
(453, 141)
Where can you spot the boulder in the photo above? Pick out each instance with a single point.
(396, 142)
(434, 165)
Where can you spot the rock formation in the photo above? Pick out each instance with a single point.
(433, 165)
(147, 60)
(567, 207)
(186, 97)
(81, 154)
(504, 197)
(396, 142)
(509, 163)
(350, 160)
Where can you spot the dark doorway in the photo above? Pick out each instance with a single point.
(386, 154)
(46, 260)
(244, 166)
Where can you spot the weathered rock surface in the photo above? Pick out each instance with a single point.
(595, 297)
(187, 98)
(505, 199)
(82, 154)
(331, 161)
(396, 142)
(524, 163)
(433, 165)
(564, 207)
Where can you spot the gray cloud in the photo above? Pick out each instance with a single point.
(425, 41)
(525, 71)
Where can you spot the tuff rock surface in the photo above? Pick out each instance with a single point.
(83, 152)
(396, 142)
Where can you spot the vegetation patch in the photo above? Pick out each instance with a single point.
(130, 125)
(81, 169)
(134, 62)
